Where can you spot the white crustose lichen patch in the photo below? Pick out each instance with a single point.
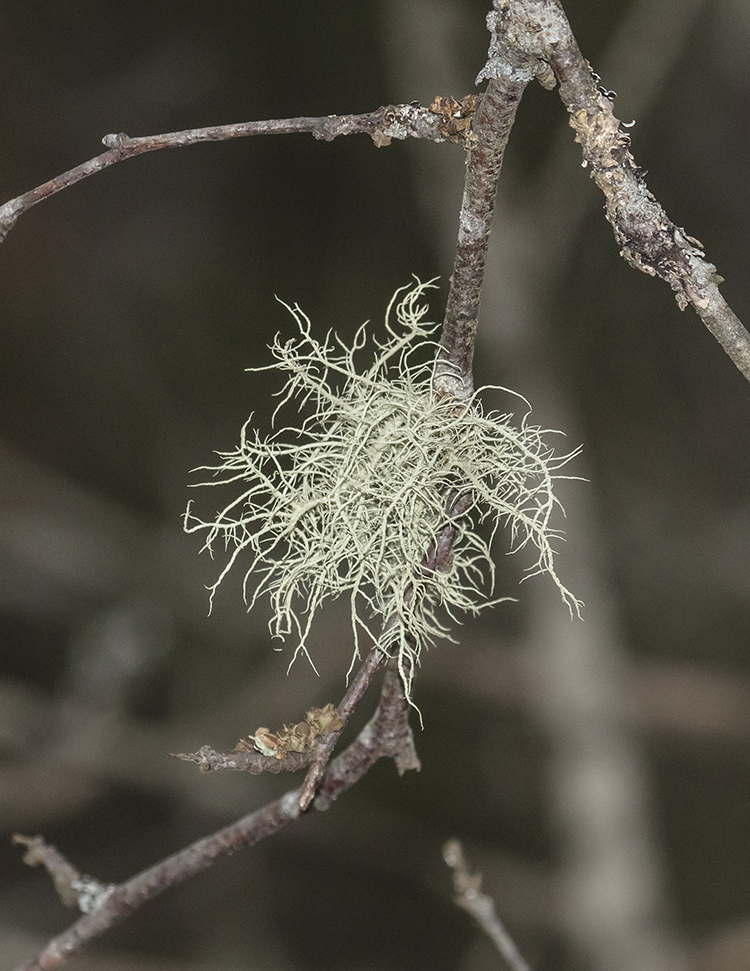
(380, 491)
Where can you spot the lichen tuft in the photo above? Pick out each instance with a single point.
(379, 492)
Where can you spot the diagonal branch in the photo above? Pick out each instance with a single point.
(120, 901)
(387, 734)
(345, 709)
(647, 238)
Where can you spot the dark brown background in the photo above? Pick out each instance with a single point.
(130, 305)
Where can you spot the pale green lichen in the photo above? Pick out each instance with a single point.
(359, 497)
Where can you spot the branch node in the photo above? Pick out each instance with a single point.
(120, 140)
(7, 222)
(91, 892)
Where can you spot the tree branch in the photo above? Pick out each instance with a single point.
(529, 39)
(124, 899)
(647, 238)
(387, 734)
(391, 121)
(250, 760)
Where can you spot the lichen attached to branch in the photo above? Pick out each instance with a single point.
(379, 493)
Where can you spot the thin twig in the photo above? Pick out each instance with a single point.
(434, 558)
(125, 898)
(245, 760)
(62, 871)
(349, 702)
(391, 121)
(468, 889)
(387, 734)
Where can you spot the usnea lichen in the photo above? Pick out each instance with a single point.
(380, 493)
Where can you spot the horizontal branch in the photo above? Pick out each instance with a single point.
(440, 122)
(245, 760)
(647, 238)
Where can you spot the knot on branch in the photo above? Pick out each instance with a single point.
(7, 222)
(522, 36)
(74, 889)
(455, 116)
